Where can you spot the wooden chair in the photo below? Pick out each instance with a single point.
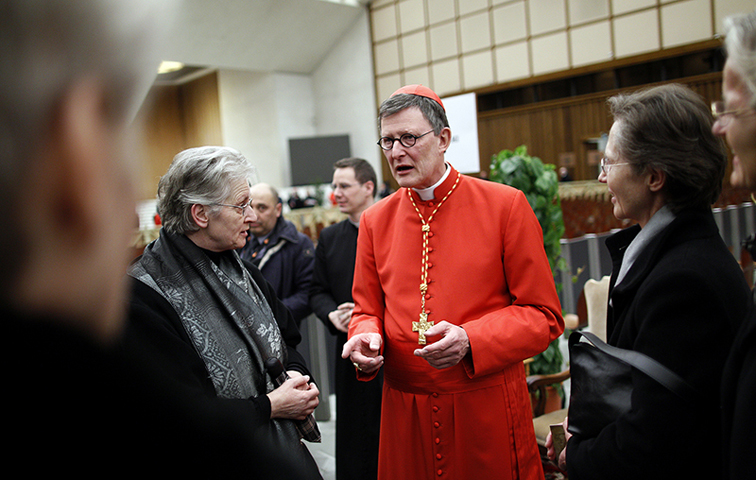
(592, 305)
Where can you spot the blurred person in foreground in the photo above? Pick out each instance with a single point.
(72, 76)
(358, 404)
(453, 290)
(676, 292)
(210, 320)
(736, 123)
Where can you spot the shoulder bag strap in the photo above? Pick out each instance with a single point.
(647, 365)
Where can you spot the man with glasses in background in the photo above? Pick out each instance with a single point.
(358, 404)
(452, 290)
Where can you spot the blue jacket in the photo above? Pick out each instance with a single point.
(286, 260)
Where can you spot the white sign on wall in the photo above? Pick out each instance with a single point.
(462, 113)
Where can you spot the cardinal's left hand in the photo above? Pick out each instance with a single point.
(449, 350)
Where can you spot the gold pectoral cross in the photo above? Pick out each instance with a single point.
(421, 327)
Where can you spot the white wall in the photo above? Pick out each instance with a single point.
(260, 112)
(296, 117)
(345, 95)
(248, 119)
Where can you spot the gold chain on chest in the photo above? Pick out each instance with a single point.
(423, 325)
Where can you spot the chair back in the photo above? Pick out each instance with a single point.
(596, 301)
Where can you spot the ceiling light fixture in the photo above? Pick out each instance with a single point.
(167, 66)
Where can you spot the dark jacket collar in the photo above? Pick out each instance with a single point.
(284, 229)
(688, 224)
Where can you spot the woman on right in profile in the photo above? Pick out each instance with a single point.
(676, 294)
(736, 123)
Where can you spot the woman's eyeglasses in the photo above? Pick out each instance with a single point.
(606, 166)
(724, 116)
(239, 207)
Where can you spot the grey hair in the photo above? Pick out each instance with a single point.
(202, 175)
(669, 128)
(48, 46)
(431, 110)
(740, 42)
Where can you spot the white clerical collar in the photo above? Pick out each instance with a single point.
(427, 193)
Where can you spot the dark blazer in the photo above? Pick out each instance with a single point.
(681, 303)
(96, 410)
(358, 404)
(289, 268)
(739, 402)
(334, 270)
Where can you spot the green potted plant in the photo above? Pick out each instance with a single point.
(539, 183)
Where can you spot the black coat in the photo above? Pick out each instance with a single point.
(288, 269)
(681, 303)
(358, 404)
(93, 411)
(739, 402)
(155, 332)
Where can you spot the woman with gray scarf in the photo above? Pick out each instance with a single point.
(207, 318)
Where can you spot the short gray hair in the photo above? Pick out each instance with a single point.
(740, 42)
(669, 128)
(202, 175)
(431, 110)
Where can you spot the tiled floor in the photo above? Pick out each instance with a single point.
(324, 452)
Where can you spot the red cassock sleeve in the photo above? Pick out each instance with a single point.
(489, 274)
(533, 319)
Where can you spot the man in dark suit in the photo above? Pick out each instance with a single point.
(358, 404)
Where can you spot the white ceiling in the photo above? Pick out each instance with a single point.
(260, 35)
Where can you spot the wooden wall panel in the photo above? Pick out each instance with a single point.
(163, 136)
(201, 112)
(176, 117)
(552, 128)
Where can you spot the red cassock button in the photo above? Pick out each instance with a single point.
(436, 424)
(439, 456)
(438, 440)
(435, 408)
(440, 472)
